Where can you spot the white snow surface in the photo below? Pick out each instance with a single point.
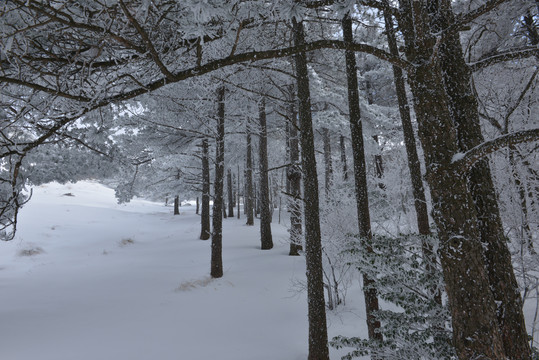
(88, 279)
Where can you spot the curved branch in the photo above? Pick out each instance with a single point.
(504, 56)
(463, 162)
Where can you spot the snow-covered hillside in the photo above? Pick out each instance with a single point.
(88, 279)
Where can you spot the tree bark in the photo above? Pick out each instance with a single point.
(205, 232)
(230, 194)
(266, 241)
(197, 206)
(177, 205)
(249, 196)
(294, 180)
(418, 191)
(217, 234)
(318, 338)
(328, 164)
(464, 110)
(360, 178)
(473, 310)
(343, 158)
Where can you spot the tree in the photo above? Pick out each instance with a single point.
(265, 212)
(205, 231)
(318, 348)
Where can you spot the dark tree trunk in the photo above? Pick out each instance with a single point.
(343, 158)
(326, 138)
(318, 338)
(464, 110)
(294, 180)
(238, 193)
(266, 241)
(217, 234)
(360, 177)
(379, 165)
(224, 203)
(418, 191)
(205, 233)
(198, 206)
(473, 310)
(249, 193)
(230, 194)
(177, 205)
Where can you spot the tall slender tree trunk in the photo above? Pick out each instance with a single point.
(343, 158)
(463, 105)
(197, 206)
(318, 337)
(205, 232)
(294, 179)
(475, 327)
(238, 192)
(217, 234)
(360, 177)
(230, 194)
(328, 164)
(266, 241)
(249, 194)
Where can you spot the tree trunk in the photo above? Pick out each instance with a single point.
(249, 196)
(197, 207)
(217, 234)
(205, 233)
(326, 138)
(266, 241)
(238, 193)
(230, 194)
(294, 180)
(360, 177)
(473, 310)
(318, 338)
(343, 158)
(418, 191)
(177, 205)
(379, 165)
(464, 110)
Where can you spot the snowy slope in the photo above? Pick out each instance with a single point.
(86, 278)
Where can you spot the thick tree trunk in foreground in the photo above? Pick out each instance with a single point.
(360, 177)
(230, 194)
(418, 191)
(473, 310)
(249, 194)
(217, 234)
(294, 180)
(205, 233)
(266, 241)
(464, 111)
(318, 337)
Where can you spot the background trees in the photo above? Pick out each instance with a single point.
(70, 71)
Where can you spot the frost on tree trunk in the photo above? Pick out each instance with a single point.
(249, 196)
(217, 234)
(360, 177)
(475, 326)
(266, 241)
(205, 233)
(294, 179)
(464, 110)
(318, 338)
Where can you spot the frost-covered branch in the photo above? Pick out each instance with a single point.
(465, 161)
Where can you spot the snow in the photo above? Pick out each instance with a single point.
(108, 281)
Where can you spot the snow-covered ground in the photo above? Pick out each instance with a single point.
(88, 279)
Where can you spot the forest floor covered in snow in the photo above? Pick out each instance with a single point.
(88, 279)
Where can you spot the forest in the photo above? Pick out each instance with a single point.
(398, 138)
